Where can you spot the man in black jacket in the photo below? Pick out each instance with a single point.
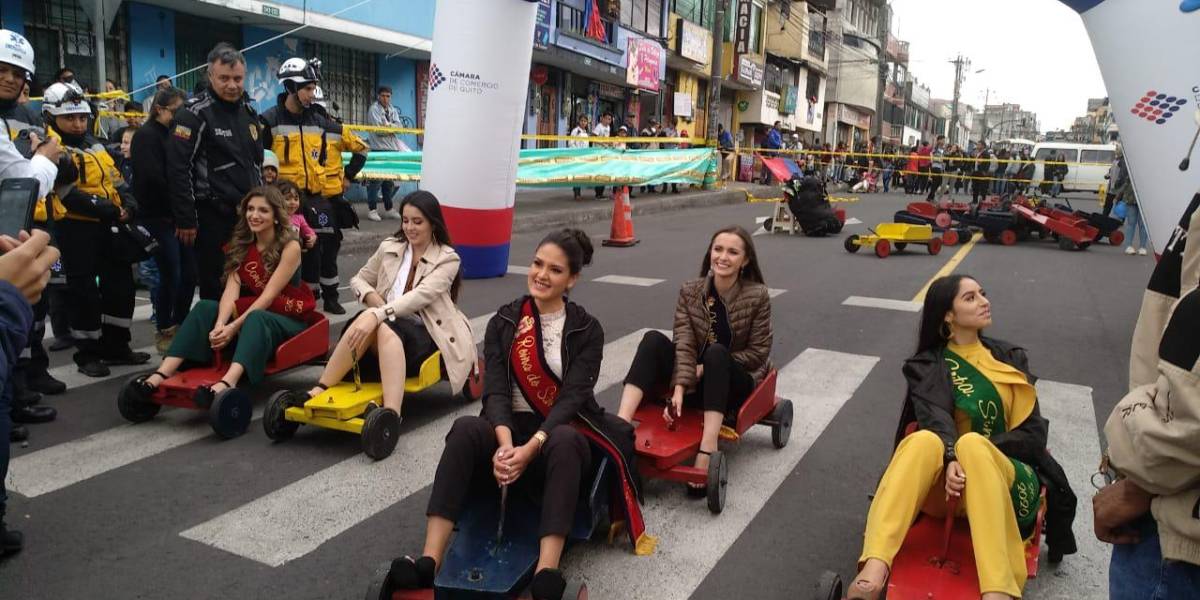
(176, 263)
(214, 157)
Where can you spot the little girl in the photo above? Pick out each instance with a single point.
(291, 201)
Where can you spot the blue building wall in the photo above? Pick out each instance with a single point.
(413, 17)
(12, 15)
(151, 45)
(263, 62)
(401, 75)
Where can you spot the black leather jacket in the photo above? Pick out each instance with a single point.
(929, 402)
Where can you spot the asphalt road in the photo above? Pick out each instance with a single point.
(166, 510)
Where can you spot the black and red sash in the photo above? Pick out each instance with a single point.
(541, 387)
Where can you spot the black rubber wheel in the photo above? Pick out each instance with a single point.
(377, 587)
(230, 413)
(766, 225)
(781, 423)
(829, 587)
(274, 420)
(576, 590)
(130, 404)
(718, 480)
(380, 433)
(850, 243)
(900, 246)
(1066, 244)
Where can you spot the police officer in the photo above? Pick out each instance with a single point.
(337, 180)
(90, 236)
(30, 377)
(298, 132)
(214, 156)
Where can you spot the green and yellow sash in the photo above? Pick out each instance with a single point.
(977, 397)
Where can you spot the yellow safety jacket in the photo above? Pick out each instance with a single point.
(99, 178)
(300, 142)
(16, 121)
(335, 174)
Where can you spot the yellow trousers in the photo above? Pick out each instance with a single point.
(914, 481)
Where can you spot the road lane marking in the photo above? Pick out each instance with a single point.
(884, 303)
(853, 221)
(517, 270)
(949, 267)
(775, 292)
(626, 280)
(1075, 443)
(272, 531)
(691, 540)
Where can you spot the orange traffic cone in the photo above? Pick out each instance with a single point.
(622, 221)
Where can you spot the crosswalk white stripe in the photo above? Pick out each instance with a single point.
(517, 270)
(627, 280)
(271, 531)
(1074, 440)
(818, 382)
(884, 303)
(69, 463)
(775, 292)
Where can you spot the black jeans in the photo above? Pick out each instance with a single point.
(935, 182)
(176, 272)
(553, 478)
(724, 387)
(213, 231)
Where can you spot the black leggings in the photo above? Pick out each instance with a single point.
(723, 388)
(553, 479)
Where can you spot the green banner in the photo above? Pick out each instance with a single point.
(573, 167)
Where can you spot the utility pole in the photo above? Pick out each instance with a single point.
(718, 57)
(960, 65)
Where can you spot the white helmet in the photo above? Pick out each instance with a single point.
(16, 51)
(295, 73)
(63, 99)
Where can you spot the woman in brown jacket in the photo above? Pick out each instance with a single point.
(409, 287)
(722, 343)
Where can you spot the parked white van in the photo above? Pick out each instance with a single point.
(1084, 178)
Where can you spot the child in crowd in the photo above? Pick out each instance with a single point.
(270, 167)
(291, 202)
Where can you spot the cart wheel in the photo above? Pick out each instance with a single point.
(851, 243)
(767, 224)
(133, 408)
(781, 423)
(942, 220)
(718, 480)
(1116, 238)
(576, 590)
(376, 588)
(1066, 244)
(380, 433)
(829, 587)
(934, 246)
(1008, 237)
(883, 248)
(950, 237)
(900, 246)
(473, 388)
(274, 419)
(229, 414)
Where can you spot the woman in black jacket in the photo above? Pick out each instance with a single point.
(541, 429)
(976, 416)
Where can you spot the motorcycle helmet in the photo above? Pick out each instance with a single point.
(296, 73)
(64, 99)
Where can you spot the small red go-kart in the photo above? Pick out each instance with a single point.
(662, 448)
(231, 410)
(936, 560)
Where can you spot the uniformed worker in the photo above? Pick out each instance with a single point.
(90, 238)
(297, 131)
(214, 156)
(337, 181)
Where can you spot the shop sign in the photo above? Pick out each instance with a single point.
(853, 117)
(693, 41)
(645, 63)
(683, 105)
(608, 90)
(539, 74)
(787, 100)
(541, 28)
(749, 71)
(741, 37)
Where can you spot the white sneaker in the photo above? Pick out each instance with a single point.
(1129, 250)
(373, 215)
(392, 214)
(1141, 251)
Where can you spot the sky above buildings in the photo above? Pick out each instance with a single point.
(1034, 52)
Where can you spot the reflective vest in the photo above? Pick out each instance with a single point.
(300, 142)
(15, 126)
(98, 176)
(335, 172)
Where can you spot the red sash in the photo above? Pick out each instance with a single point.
(293, 300)
(540, 386)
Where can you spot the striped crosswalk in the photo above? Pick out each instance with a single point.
(269, 531)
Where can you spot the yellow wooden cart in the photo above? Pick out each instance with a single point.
(353, 407)
(885, 235)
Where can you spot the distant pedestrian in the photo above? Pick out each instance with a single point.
(383, 114)
(580, 131)
(603, 129)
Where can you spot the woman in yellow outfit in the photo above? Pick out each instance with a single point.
(974, 403)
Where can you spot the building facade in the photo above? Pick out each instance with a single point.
(1008, 121)
(857, 37)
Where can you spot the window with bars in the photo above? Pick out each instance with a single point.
(61, 34)
(643, 15)
(348, 78)
(696, 11)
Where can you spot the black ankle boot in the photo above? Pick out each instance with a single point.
(548, 584)
(409, 574)
(11, 541)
